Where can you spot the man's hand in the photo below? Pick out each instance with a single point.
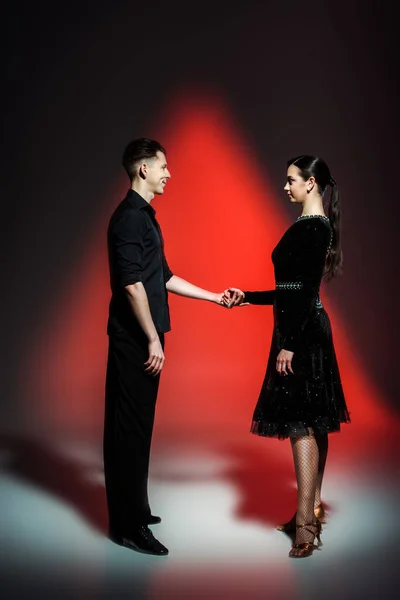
(233, 297)
(156, 358)
(226, 299)
(284, 362)
(220, 299)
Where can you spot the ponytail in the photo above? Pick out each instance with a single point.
(334, 259)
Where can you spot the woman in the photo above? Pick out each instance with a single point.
(301, 397)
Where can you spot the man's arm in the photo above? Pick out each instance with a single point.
(139, 303)
(180, 286)
(126, 243)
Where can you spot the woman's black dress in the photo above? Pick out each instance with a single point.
(311, 401)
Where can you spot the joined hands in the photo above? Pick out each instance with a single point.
(232, 297)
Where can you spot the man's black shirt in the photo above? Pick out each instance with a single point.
(136, 253)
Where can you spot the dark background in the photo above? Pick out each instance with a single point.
(82, 79)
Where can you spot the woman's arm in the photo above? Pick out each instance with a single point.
(294, 306)
(262, 298)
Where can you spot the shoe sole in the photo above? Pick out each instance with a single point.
(131, 546)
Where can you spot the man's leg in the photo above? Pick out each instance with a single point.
(129, 417)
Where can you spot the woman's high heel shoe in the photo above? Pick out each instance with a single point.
(307, 548)
(290, 526)
(320, 513)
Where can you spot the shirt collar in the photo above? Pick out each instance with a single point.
(139, 202)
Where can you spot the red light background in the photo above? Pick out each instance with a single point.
(220, 220)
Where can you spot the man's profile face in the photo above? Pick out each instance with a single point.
(157, 173)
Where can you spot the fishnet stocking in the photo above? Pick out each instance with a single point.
(306, 463)
(322, 443)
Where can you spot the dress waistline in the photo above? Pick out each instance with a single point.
(296, 285)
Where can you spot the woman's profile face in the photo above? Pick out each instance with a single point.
(295, 185)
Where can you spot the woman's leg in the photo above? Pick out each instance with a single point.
(322, 443)
(306, 460)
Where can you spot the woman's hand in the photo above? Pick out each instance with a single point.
(284, 362)
(234, 297)
(224, 299)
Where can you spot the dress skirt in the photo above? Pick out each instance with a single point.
(310, 402)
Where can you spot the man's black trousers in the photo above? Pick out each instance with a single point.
(130, 404)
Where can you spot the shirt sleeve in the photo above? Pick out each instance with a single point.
(167, 271)
(127, 240)
(294, 306)
(264, 298)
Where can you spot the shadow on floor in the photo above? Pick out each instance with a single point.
(41, 464)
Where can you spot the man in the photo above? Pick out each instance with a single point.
(138, 319)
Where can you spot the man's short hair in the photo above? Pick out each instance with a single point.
(138, 151)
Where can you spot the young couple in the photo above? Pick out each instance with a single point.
(301, 397)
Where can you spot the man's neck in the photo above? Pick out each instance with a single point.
(140, 188)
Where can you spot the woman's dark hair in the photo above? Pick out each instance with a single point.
(312, 166)
(138, 151)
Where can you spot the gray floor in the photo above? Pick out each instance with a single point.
(52, 518)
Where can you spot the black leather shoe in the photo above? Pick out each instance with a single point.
(153, 520)
(143, 540)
